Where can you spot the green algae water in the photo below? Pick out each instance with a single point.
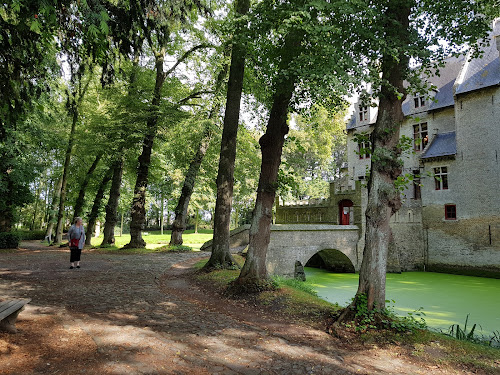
(446, 299)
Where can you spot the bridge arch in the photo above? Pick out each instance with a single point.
(290, 243)
(331, 260)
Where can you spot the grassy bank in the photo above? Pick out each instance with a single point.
(296, 302)
(155, 240)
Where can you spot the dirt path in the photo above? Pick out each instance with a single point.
(140, 314)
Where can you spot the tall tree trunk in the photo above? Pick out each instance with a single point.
(271, 144)
(53, 210)
(138, 209)
(221, 256)
(73, 108)
(112, 206)
(181, 211)
(383, 199)
(81, 195)
(162, 212)
(196, 220)
(94, 213)
(69, 152)
(37, 198)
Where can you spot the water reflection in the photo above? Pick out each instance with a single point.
(446, 299)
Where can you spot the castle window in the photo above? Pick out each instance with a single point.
(450, 212)
(441, 178)
(364, 149)
(417, 192)
(419, 101)
(420, 136)
(363, 112)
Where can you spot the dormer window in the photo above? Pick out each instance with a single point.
(363, 113)
(419, 101)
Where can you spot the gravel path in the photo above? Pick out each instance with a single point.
(139, 314)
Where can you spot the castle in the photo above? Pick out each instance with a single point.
(450, 218)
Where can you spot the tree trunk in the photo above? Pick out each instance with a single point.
(162, 212)
(53, 210)
(221, 256)
(383, 199)
(271, 144)
(196, 220)
(69, 152)
(94, 213)
(7, 211)
(81, 195)
(138, 209)
(112, 206)
(181, 211)
(35, 209)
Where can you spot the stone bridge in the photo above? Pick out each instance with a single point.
(300, 242)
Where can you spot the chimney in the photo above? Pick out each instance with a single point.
(496, 33)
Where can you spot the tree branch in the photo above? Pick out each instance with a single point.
(186, 55)
(194, 95)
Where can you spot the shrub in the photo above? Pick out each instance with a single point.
(27, 235)
(174, 248)
(9, 240)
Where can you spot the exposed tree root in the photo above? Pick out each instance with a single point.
(250, 286)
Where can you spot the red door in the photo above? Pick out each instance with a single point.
(345, 209)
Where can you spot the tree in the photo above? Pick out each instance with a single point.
(157, 22)
(302, 50)
(314, 152)
(83, 43)
(181, 211)
(77, 211)
(401, 31)
(221, 256)
(94, 213)
(28, 58)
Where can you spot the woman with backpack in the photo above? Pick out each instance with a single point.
(76, 236)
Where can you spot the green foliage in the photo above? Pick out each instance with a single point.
(365, 319)
(9, 240)
(323, 61)
(174, 249)
(471, 334)
(313, 153)
(363, 138)
(28, 235)
(461, 334)
(296, 284)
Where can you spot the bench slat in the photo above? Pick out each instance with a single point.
(9, 307)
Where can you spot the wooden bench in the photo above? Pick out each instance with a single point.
(9, 310)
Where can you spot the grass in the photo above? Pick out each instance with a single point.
(297, 303)
(156, 242)
(291, 298)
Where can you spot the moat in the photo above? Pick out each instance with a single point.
(446, 299)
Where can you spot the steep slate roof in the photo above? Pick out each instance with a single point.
(443, 144)
(352, 122)
(458, 76)
(444, 97)
(484, 71)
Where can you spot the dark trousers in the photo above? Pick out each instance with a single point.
(75, 254)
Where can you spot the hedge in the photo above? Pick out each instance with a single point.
(9, 240)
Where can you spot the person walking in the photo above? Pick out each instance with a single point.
(76, 236)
